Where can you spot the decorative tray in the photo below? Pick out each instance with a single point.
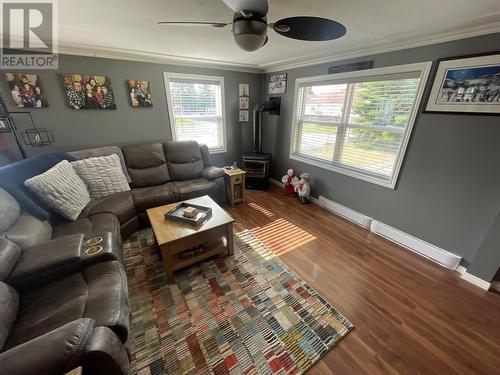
(176, 213)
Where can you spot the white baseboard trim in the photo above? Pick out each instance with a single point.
(464, 275)
(345, 212)
(427, 250)
(475, 280)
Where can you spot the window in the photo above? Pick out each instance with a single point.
(196, 109)
(358, 123)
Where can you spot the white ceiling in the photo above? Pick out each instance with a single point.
(128, 27)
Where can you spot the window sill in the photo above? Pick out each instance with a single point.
(217, 151)
(389, 183)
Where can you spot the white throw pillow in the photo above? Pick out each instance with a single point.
(103, 175)
(61, 189)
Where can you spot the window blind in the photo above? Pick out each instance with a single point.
(355, 124)
(196, 110)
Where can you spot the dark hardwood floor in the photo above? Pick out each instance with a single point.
(410, 315)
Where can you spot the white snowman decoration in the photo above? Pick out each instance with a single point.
(303, 188)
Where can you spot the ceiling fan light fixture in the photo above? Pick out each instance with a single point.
(250, 35)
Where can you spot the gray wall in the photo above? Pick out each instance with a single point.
(448, 191)
(91, 128)
(487, 259)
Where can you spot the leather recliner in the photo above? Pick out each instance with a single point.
(61, 308)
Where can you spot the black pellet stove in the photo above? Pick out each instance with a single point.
(257, 164)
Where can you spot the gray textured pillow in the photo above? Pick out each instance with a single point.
(102, 151)
(61, 189)
(9, 210)
(102, 175)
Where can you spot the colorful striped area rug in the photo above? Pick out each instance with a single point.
(245, 314)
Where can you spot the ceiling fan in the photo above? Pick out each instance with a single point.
(250, 25)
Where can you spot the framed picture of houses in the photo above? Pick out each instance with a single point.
(466, 84)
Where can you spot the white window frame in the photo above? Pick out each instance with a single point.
(169, 75)
(423, 68)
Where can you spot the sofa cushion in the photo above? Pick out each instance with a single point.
(28, 231)
(184, 160)
(196, 188)
(9, 301)
(103, 175)
(12, 177)
(146, 164)
(61, 189)
(102, 151)
(154, 196)
(211, 173)
(9, 210)
(98, 292)
(48, 307)
(120, 205)
(91, 225)
(9, 255)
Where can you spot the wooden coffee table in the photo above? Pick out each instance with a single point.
(175, 237)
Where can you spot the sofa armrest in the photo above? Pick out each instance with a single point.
(57, 351)
(205, 155)
(105, 354)
(211, 173)
(57, 258)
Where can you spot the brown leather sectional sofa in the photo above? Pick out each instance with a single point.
(62, 307)
(159, 174)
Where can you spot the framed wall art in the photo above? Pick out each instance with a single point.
(85, 91)
(344, 68)
(26, 90)
(277, 83)
(139, 93)
(466, 84)
(244, 89)
(244, 103)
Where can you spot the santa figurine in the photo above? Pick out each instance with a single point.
(290, 180)
(303, 189)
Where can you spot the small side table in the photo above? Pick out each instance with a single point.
(235, 185)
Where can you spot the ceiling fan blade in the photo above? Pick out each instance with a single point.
(254, 6)
(190, 23)
(309, 28)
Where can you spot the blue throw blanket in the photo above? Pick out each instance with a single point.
(12, 177)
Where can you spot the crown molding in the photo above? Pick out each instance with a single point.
(285, 64)
(153, 57)
(294, 63)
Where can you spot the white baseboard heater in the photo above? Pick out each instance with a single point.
(345, 212)
(430, 251)
(425, 249)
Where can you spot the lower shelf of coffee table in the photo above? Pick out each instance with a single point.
(208, 251)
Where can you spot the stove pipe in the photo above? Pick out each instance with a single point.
(257, 124)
